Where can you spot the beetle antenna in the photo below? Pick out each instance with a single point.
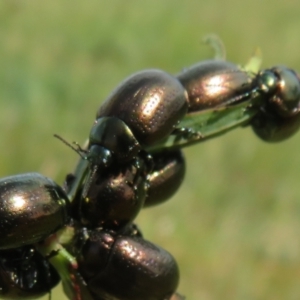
(77, 149)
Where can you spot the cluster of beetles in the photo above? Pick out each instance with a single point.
(83, 233)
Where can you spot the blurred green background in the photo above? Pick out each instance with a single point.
(234, 227)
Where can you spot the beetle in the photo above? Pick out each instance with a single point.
(278, 117)
(122, 265)
(166, 176)
(115, 198)
(31, 208)
(25, 274)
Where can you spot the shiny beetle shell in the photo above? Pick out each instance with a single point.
(31, 207)
(25, 274)
(150, 103)
(166, 177)
(214, 83)
(127, 268)
(114, 197)
(272, 128)
(279, 117)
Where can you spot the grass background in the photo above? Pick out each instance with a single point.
(234, 226)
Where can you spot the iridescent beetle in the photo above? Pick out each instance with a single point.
(32, 207)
